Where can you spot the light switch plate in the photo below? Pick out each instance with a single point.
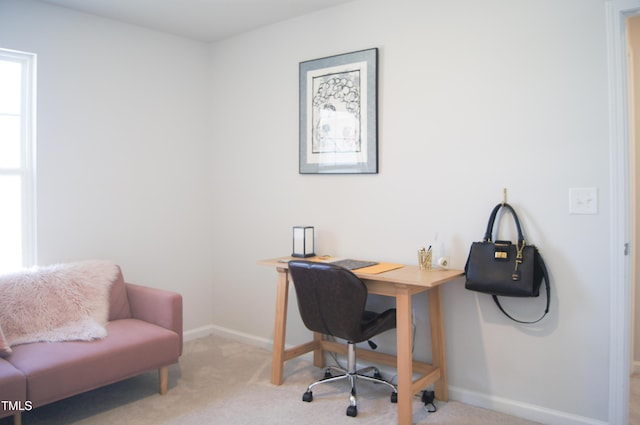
(583, 200)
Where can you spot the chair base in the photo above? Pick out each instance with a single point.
(352, 375)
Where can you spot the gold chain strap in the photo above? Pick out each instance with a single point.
(516, 273)
(520, 249)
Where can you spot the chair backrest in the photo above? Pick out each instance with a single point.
(331, 299)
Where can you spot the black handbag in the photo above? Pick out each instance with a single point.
(501, 268)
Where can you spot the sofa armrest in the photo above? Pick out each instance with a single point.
(157, 306)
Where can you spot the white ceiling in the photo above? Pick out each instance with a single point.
(204, 20)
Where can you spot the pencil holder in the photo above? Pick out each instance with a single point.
(424, 259)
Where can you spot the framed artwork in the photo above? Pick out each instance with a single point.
(339, 114)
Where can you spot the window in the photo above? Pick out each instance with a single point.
(17, 160)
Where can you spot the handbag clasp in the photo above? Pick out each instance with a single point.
(501, 250)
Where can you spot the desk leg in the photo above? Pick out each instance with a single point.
(280, 327)
(437, 342)
(405, 358)
(318, 352)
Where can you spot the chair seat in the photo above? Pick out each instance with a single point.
(375, 323)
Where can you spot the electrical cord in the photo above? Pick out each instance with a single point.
(413, 347)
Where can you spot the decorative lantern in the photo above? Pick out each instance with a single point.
(303, 241)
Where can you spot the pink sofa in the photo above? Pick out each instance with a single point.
(144, 333)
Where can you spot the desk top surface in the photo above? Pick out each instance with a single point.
(404, 274)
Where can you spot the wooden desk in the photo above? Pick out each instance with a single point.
(400, 283)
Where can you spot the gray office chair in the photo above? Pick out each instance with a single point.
(331, 300)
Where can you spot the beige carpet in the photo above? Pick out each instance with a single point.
(221, 381)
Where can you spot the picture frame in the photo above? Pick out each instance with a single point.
(339, 114)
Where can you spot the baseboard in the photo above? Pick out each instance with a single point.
(208, 330)
(197, 333)
(498, 404)
(522, 410)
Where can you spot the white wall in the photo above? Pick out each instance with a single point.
(473, 97)
(122, 137)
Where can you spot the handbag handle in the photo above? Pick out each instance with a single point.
(492, 219)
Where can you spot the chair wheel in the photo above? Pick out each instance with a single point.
(377, 375)
(327, 374)
(394, 397)
(352, 411)
(308, 397)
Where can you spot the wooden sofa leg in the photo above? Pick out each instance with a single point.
(17, 419)
(163, 373)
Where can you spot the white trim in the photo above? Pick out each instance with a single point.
(208, 330)
(620, 300)
(27, 169)
(516, 408)
(633, 176)
(193, 334)
(29, 255)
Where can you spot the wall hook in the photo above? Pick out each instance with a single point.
(504, 196)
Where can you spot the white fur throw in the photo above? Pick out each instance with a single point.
(61, 302)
